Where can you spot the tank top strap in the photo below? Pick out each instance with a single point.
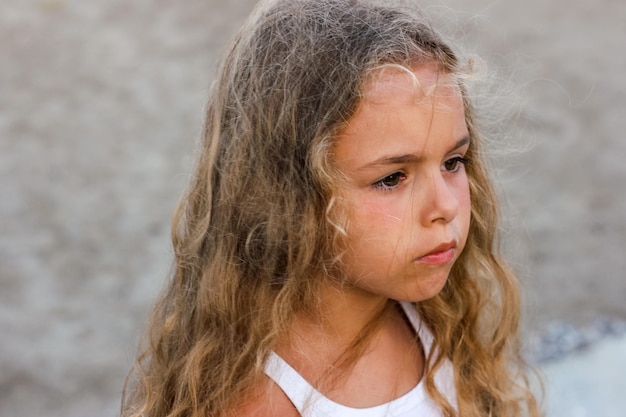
(295, 387)
(422, 331)
(444, 377)
(311, 403)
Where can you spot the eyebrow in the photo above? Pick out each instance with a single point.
(411, 157)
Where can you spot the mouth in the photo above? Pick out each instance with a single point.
(439, 255)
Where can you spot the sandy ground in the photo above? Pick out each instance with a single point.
(100, 107)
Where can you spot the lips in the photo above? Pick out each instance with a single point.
(439, 255)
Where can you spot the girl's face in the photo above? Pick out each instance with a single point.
(406, 189)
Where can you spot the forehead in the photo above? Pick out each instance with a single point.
(418, 112)
(403, 85)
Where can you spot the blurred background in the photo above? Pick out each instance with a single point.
(101, 105)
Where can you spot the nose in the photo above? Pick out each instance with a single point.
(440, 203)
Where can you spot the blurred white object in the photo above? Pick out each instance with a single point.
(589, 383)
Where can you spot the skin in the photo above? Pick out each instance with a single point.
(406, 195)
(406, 189)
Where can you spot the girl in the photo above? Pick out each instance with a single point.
(335, 254)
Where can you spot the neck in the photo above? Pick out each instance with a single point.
(345, 311)
(343, 315)
(355, 335)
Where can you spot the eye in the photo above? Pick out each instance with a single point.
(454, 164)
(390, 181)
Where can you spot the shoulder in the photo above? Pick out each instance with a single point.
(267, 400)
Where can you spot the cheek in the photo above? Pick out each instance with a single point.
(465, 204)
(460, 189)
(375, 213)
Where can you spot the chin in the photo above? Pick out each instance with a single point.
(427, 289)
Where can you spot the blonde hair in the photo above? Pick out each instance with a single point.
(255, 231)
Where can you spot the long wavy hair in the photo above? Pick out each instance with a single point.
(256, 230)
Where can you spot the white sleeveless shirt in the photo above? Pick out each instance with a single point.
(311, 403)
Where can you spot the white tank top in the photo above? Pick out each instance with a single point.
(311, 403)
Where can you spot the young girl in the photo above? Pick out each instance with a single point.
(335, 254)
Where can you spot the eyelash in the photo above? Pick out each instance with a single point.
(399, 176)
(458, 161)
